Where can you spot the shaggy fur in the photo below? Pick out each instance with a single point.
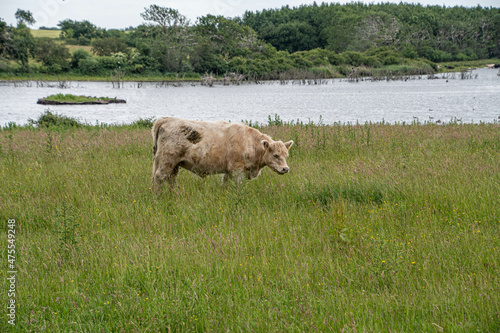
(207, 148)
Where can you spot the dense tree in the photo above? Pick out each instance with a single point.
(165, 17)
(5, 39)
(78, 55)
(437, 32)
(293, 36)
(218, 40)
(54, 56)
(324, 38)
(18, 43)
(170, 47)
(24, 17)
(78, 30)
(108, 46)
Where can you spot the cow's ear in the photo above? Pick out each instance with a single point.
(289, 144)
(265, 144)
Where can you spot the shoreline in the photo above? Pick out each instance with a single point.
(220, 79)
(300, 74)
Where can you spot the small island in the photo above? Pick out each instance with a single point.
(68, 99)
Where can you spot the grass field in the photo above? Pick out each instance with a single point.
(73, 48)
(378, 228)
(46, 33)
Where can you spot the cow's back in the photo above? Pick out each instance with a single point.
(204, 147)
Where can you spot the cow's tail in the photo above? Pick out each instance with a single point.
(155, 131)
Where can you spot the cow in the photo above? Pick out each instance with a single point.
(213, 147)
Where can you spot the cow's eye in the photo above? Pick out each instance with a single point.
(276, 156)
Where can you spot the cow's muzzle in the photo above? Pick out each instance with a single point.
(283, 170)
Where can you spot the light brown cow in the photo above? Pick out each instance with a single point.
(206, 147)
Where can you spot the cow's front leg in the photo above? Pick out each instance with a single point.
(227, 178)
(236, 176)
(164, 172)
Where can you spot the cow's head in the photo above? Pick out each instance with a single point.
(275, 155)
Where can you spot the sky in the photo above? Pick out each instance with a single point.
(118, 14)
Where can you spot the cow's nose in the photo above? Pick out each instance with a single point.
(285, 170)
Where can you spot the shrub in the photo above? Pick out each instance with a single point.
(300, 61)
(108, 46)
(390, 60)
(88, 66)
(53, 56)
(336, 59)
(49, 119)
(238, 64)
(323, 72)
(409, 52)
(143, 123)
(109, 63)
(372, 61)
(353, 58)
(78, 55)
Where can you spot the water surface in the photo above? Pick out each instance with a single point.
(472, 100)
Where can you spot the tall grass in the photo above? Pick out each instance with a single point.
(376, 228)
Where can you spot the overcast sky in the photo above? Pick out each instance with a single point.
(116, 14)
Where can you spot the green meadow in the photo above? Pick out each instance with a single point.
(377, 228)
(42, 33)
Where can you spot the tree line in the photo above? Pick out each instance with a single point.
(324, 38)
(433, 32)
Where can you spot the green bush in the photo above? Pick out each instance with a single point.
(143, 123)
(88, 66)
(300, 61)
(336, 59)
(238, 65)
(78, 55)
(391, 60)
(323, 72)
(353, 58)
(409, 52)
(49, 119)
(372, 61)
(109, 63)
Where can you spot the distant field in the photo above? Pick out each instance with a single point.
(55, 35)
(377, 228)
(73, 48)
(46, 33)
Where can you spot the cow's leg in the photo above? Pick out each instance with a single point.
(227, 178)
(173, 175)
(162, 172)
(236, 176)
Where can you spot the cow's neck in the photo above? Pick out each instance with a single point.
(260, 151)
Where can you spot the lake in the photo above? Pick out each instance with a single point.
(471, 100)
